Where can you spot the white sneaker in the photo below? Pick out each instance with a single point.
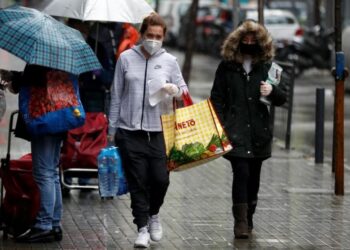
(143, 238)
(155, 228)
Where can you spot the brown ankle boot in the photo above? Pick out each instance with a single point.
(251, 211)
(241, 222)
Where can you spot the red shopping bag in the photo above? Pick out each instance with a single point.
(22, 198)
(83, 144)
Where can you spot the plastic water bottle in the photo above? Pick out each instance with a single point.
(103, 174)
(119, 163)
(113, 171)
(122, 184)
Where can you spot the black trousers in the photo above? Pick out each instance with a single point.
(246, 180)
(144, 161)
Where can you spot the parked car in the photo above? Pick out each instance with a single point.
(282, 24)
(300, 8)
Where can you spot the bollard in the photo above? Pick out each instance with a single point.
(319, 124)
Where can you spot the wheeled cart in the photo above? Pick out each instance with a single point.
(80, 151)
(19, 194)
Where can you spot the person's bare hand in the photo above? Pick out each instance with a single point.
(110, 138)
(3, 84)
(265, 88)
(5, 75)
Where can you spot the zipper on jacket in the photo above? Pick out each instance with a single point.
(144, 94)
(246, 95)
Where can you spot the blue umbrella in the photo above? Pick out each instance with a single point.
(37, 38)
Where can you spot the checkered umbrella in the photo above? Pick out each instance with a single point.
(39, 39)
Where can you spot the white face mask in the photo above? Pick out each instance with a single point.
(152, 46)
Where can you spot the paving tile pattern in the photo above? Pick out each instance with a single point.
(297, 210)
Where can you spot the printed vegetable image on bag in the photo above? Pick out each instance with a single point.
(53, 108)
(193, 136)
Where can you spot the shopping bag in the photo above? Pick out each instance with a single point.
(54, 107)
(193, 136)
(83, 144)
(21, 201)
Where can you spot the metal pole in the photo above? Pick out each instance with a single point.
(338, 123)
(319, 130)
(261, 11)
(290, 107)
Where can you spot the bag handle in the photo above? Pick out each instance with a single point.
(214, 115)
(186, 100)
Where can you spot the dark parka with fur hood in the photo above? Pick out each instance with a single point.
(235, 94)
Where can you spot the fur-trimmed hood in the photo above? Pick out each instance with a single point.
(230, 49)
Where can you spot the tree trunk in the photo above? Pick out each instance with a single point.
(317, 14)
(190, 38)
(156, 8)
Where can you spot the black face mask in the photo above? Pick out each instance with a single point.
(249, 49)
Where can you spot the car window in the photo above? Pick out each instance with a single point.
(214, 12)
(278, 20)
(272, 18)
(203, 12)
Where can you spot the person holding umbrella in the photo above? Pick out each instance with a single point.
(55, 55)
(45, 157)
(134, 123)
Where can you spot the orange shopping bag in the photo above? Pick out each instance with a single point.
(193, 136)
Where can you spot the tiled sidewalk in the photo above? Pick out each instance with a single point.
(297, 210)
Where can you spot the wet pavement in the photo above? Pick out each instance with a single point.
(297, 207)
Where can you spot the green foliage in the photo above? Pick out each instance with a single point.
(215, 140)
(189, 152)
(193, 150)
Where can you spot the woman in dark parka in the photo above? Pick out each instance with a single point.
(239, 83)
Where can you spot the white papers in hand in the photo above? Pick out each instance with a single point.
(156, 94)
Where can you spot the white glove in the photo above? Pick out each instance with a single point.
(172, 89)
(265, 88)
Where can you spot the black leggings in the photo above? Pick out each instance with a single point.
(246, 180)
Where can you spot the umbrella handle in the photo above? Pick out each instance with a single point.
(96, 44)
(96, 39)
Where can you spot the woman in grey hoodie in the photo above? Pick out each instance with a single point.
(135, 125)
